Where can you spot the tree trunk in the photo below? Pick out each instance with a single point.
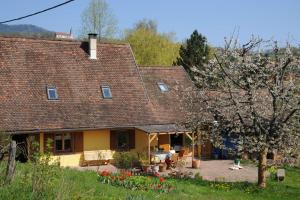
(262, 168)
(11, 165)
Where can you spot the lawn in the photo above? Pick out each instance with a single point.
(72, 184)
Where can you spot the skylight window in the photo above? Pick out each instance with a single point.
(163, 87)
(106, 92)
(52, 93)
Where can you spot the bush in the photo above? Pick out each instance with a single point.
(125, 160)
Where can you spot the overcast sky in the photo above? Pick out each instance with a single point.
(269, 19)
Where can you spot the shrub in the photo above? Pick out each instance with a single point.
(44, 171)
(125, 160)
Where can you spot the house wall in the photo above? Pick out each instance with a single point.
(141, 141)
(99, 141)
(96, 140)
(72, 159)
(92, 141)
(68, 160)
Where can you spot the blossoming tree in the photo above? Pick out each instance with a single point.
(250, 96)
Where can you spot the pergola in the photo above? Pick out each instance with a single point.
(153, 131)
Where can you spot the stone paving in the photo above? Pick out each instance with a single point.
(209, 170)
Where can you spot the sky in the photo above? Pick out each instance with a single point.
(216, 19)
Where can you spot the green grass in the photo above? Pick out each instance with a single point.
(72, 184)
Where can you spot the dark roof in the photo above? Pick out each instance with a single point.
(27, 66)
(167, 107)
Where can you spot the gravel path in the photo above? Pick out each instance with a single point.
(209, 170)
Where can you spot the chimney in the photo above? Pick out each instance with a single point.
(93, 45)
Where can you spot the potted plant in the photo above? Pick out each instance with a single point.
(145, 165)
(155, 168)
(237, 161)
(196, 164)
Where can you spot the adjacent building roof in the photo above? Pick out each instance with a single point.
(29, 66)
(167, 107)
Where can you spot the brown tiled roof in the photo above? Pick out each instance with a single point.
(162, 128)
(27, 66)
(167, 107)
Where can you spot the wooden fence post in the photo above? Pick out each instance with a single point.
(11, 165)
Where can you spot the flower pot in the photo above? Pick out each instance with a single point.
(196, 164)
(237, 161)
(155, 168)
(162, 168)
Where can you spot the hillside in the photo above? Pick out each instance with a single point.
(25, 30)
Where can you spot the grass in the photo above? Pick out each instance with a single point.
(72, 184)
(249, 162)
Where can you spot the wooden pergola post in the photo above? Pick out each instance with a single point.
(193, 142)
(149, 153)
(150, 139)
(193, 145)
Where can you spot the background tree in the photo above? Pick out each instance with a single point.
(257, 105)
(98, 18)
(195, 52)
(151, 47)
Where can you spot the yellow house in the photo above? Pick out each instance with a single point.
(88, 97)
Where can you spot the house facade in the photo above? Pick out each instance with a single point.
(87, 96)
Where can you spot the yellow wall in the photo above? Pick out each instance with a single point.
(96, 140)
(141, 141)
(68, 160)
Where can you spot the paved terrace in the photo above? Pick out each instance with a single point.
(209, 170)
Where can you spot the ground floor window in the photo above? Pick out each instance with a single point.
(122, 140)
(63, 142)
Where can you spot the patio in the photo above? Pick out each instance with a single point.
(209, 170)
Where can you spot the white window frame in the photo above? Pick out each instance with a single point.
(53, 88)
(163, 87)
(106, 87)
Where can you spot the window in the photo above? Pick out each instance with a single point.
(63, 142)
(52, 93)
(106, 92)
(163, 87)
(123, 141)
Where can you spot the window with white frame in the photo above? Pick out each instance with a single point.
(106, 93)
(163, 87)
(52, 93)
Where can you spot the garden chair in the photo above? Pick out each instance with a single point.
(181, 153)
(172, 161)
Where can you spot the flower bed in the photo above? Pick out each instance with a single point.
(126, 180)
